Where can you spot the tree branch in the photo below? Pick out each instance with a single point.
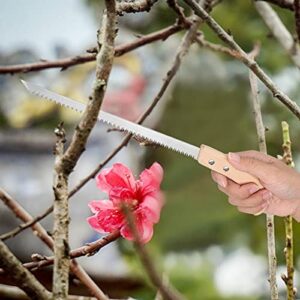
(104, 61)
(281, 3)
(134, 6)
(288, 221)
(279, 31)
(13, 292)
(60, 285)
(41, 233)
(65, 63)
(168, 292)
(250, 63)
(202, 42)
(297, 17)
(180, 13)
(87, 250)
(21, 276)
(270, 226)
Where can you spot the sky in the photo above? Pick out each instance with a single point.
(39, 25)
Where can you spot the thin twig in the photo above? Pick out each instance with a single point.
(173, 4)
(60, 285)
(26, 225)
(200, 39)
(41, 233)
(120, 50)
(167, 291)
(250, 63)
(21, 276)
(289, 4)
(270, 227)
(88, 250)
(279, 31)
(207, 5)
(288, 221)
(297, 17)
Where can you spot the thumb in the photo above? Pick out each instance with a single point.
(251, 165)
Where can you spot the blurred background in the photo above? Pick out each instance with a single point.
(204, 246)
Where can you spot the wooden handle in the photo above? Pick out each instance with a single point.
(217, 161)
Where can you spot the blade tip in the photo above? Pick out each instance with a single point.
(25, 83)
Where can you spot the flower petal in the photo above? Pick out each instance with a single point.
(110, 219)
(151, 178)
(151, 207)
(101, 180)
(93, 221)
(144, 229)
(107, 220)
(147, 232)
(97, 205)
(117, 176)
(120, 195)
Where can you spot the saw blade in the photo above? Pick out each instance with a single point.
(122, 124)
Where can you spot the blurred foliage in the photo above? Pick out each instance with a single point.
(192, 273)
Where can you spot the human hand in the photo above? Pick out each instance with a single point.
(280, 195)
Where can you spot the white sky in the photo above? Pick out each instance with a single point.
(40, 24)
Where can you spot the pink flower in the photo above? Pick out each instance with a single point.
(142, 196)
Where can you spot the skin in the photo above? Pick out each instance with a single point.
(280, 195)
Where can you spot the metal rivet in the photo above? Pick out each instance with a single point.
(211, 162)
(226, 168)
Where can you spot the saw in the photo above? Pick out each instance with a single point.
(205, 155)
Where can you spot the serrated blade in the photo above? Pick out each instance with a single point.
(117, 122)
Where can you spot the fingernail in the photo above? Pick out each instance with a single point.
(267, 195)
(222, 182)
(253, 189)
(233, 157)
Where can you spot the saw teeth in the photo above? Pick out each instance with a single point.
(114, 121)
(146, 138)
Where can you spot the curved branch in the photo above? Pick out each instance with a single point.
(65, 63)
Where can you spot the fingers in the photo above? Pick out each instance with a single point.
(233, 189)
(256, 200)
(253, 210)
(257, 155)
(247, 197)
(281, 207)
(220, 179)
(252, 165)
